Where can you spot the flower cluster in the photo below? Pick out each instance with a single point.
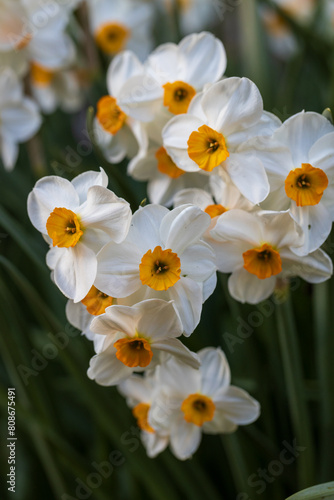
(44, 48)
(252, 197)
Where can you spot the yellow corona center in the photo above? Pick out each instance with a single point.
(63, 227)
(177, 96)
(140, 412)
(96, 301)
(264, 261)
(160, 269)
(207, 148)
(110, 115)
(166, 165)
(198, 409)
(40, 75)
(215, 210)
(112, 37)
(306, 185)
(134, 352)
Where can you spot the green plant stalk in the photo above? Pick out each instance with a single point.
(253, 48)
(293, 373)
(37, 438)
(236, 459)
(324, 355)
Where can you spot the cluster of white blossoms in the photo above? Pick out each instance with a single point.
(51, 48)
(252, 197)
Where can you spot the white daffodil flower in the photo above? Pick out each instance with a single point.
(162, 256)
(190, 402)
(172, 76)
(81, 314)
(117, 134)
(139, 392)
(215, 131)
(53, 88)
(122, 25)
(31, 33)
(77, 218)
(257, 249)
(299, 160)
(19, 117)
(135, 337)
(164, 178)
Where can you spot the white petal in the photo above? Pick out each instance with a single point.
(215, 370)
(75, 272)
(316, 224)
(198, 262)
(145, 227)
(206, 58)
(20, 121)
(188, 298)
(9, 152)
(50, 192)
(185, 439)
(123, 67)
(105, 211)
(158, 320)
(314, 268)
(106, 369)
(184, 226)
(249, 175)
(238, 225)
(229, 254)
(118, 269)
(209, 286)
(154, 443)
(300, 133)
(178, 379)
(137, 389)
(117, 319)
(195, 196)
(84, 181)
(220, 424)
(175, 138)
(232, 104)
(238, 406)
(178, 350)
(246, 287)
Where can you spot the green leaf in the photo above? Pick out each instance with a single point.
(319, 492)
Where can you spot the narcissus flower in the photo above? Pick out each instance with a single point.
(215, 131)
(259, 248)
(135, 337)
(19, 117)
(190, 402)
(172, 76)
(117, 26)
(163, 256)
(299, 159)
(77, 218)
(164, 178)
(117, 134)
(140, 393)
(30, 34)
(53, 88)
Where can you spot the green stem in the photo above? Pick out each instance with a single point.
(237, 463)
(292, 367)
(324, 355)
